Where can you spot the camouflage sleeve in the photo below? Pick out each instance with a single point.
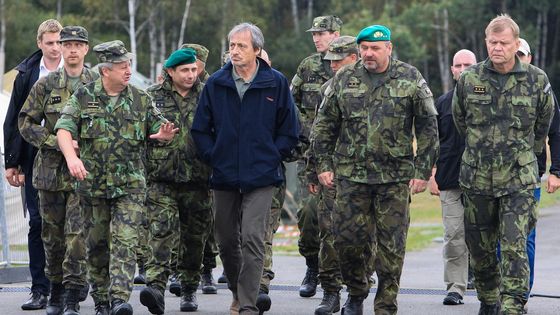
(545, 111)
(70, 117)
(326, 131)
(295, 88)
(31, 116)
(458, 108)
(425, 127)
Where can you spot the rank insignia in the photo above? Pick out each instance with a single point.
(479, 89)
(56, 99)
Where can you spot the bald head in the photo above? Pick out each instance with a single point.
(463, 59)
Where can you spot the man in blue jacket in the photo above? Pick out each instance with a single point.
(245, 124)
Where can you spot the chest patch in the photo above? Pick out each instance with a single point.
(479, 89)
(55, 99)
(93, 104)
(353, 83)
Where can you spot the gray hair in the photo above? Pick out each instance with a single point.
(257, 38)
(102, 65)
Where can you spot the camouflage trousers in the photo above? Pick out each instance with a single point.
(508, 219)
(111, 229)
(63, 238)
(176, 207)
(273, 224)
(143, 249)
(308, 242)
(329, 266)
(365, 215)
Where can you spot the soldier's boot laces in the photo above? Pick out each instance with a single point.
(207, 282)
(71, 304)
(263, 301)
(175, 285)
(189, 302)
(329, 305)
(354, 305)
(102, 308)
(120, 307)
(308, 286)
(489, 309)
(56, 299)
(153, 299)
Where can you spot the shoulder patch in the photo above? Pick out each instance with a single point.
(547, 88)
(297, 81)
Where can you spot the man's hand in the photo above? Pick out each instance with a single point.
(552, 184)
(313, 188)
(166, 132)
(77, 169)
(76, 147)
(434, 189)
(326, 179)
(417, 185)
(14, 177)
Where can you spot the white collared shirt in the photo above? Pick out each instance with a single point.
(43, 71)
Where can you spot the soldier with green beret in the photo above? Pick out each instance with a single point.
(178, 196)
(503, 107)
(109, 120)
(201, 57)
(311, 73)
(62, 221)
(363, 143)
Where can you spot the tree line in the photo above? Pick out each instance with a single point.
(424, 33)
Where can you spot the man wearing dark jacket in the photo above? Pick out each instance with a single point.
(19, 154)
(244, 126)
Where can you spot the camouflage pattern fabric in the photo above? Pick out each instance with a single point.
(178, 185)
(365, 213)
(111, 240)
(308, 224)
(364, 129)
(505, 126)
(63, 238)
(59, 206)
(505, 120)
(210, 250)
(507, 219)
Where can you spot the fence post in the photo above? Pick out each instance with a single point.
(3, 224)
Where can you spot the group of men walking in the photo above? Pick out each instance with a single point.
(206, 157)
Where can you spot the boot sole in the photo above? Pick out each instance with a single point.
(207, 290)
(149, 301)
(326, 312)
(305, 294)
(123, 311)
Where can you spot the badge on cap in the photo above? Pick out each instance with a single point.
(479, 89)
(378, 34)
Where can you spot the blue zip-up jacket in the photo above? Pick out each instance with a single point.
(244, 141)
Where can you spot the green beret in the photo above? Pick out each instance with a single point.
(201, 51)
(326, 23)
(181, 57)
(374, 33)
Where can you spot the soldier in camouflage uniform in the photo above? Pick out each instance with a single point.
(503, 108)
(109, 120)
(59, 204)
(342, 51)
(363, 138)
(312, 72)
(178, 194)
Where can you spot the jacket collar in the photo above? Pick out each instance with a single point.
(30, 61)
(263, 79)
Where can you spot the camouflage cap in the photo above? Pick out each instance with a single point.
(201, 51)
(75, 33)
(341, 47)
(112, 52)
(326, 23)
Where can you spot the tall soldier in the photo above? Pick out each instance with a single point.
(312, 72)
(503, 107)
(177, 188)
(364, 140)
(109, 119)
(59, 203)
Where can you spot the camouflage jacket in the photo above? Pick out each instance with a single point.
(112, 138)
(36, 124)
(311, 74)
(177, 161)
(505, 120)
(364, 130)
(204, 76)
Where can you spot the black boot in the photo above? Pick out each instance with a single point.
(489, 309)
(263, 301)
(56, 300)
(309, 284)
(354, 305)
(207, 282)
(188, 299)
(141, 277)
(71, 303)
(175, 285)
(222, 278)
(84, 293)
(330, 304)
(102, 308)
(153, 299)
(120, 307)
